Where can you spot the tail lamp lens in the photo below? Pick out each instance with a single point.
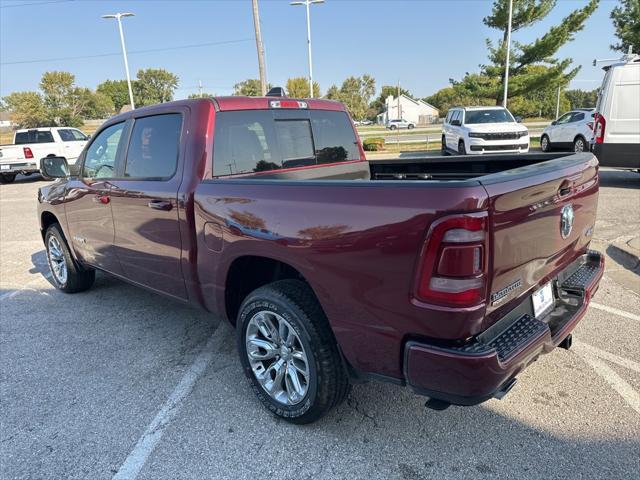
(600, 125)
(27, 152)
(453, 264)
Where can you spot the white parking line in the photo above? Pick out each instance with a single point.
(585, 349)
(615, 311)
(28, 286)
(626, 391)
(152, 435)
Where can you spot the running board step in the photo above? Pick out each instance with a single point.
(579, 280)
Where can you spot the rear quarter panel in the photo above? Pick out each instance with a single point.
(355, 242)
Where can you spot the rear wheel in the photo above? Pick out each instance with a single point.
(66, 273)
(579, 144)
(410, 127)
(7, 177)
(288, 352)
(545, 144)
(392, 127)
(461, 148)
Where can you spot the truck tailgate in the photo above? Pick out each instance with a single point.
(529, 245)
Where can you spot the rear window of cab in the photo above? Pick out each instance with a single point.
(252, 141)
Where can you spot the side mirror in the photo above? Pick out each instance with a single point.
(54, 167)
(554, 122)
(519, 119)
(456, 123)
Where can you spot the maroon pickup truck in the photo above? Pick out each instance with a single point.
(447, 274)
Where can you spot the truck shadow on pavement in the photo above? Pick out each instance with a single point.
(619, 179)
(85, 374)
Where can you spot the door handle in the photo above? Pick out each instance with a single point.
(160, 205)
(103, 199)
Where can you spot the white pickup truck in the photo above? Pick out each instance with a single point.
(30, 145)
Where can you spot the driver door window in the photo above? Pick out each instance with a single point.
(100, 160)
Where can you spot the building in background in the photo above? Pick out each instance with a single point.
(416, 111)
(5, 120)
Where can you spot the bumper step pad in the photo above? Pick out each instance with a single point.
(510, 340)
(581, 278)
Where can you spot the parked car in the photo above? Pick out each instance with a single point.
(480, 130)
(30, 145)
(447, 275)
(400, 123)
(572, 131)
(616, 140)
(366, 122)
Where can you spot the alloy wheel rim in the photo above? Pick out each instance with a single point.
(57, 262)
(277, 357)
(579, 147)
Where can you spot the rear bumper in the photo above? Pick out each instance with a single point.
(485, 367)
(618, 155)
(13, 168)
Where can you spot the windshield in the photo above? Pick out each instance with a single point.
(487, 116)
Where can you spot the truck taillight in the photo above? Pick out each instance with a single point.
(27, 152)
(453, 266)
(600, 125)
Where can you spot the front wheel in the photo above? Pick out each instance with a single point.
(545, 144)
(288, 352)
(461, 148)
(443, 146)
(410, 127)
(67, 275)
(392, 127)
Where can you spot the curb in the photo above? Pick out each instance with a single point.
(627, 251)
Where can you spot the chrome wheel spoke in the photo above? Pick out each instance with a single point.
(277, 357)
(261, 349)
(57, 262)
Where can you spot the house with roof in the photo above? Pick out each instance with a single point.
(411, 109)
(5, 120)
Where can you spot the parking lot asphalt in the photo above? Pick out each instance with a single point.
(120, 382)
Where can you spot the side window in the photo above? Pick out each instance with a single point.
(456, 115)
(333, 137)
(78, 136)
(21, 138)
(100, 159)
(564, 119)
(448, 118)
(66, 135)
(43, 137)
(153, 148)
(577, 117)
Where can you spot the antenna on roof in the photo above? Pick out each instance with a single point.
(276, 92)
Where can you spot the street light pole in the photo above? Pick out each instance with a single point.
(506, 67)
(307, 4)
(118, 17)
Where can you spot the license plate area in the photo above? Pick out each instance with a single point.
(543, 301)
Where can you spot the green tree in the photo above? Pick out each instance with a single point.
(68, 105)
(154, 85)
(450, 97)
(355, 93)
(523, 77)
(626, 20)
(27, 109)
(249, 88)
(298, 87)
(582, 98)
(117, 91)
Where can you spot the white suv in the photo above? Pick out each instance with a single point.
(572, 131)
(402, 123)
(478, 130)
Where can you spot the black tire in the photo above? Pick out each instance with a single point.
(443, 146)
(78, 278)
(461, 148)
(7, 178)
(545, 144)
(392, 127)
(328, 384)
(580, 144)
(410, 127)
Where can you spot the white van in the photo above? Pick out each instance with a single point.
(616, 137)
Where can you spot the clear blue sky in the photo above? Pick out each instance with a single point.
(421, 43)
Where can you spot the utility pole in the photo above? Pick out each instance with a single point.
(200, 88)
(260, 48)
(558, 102)
(398, 102)
(506, 67)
